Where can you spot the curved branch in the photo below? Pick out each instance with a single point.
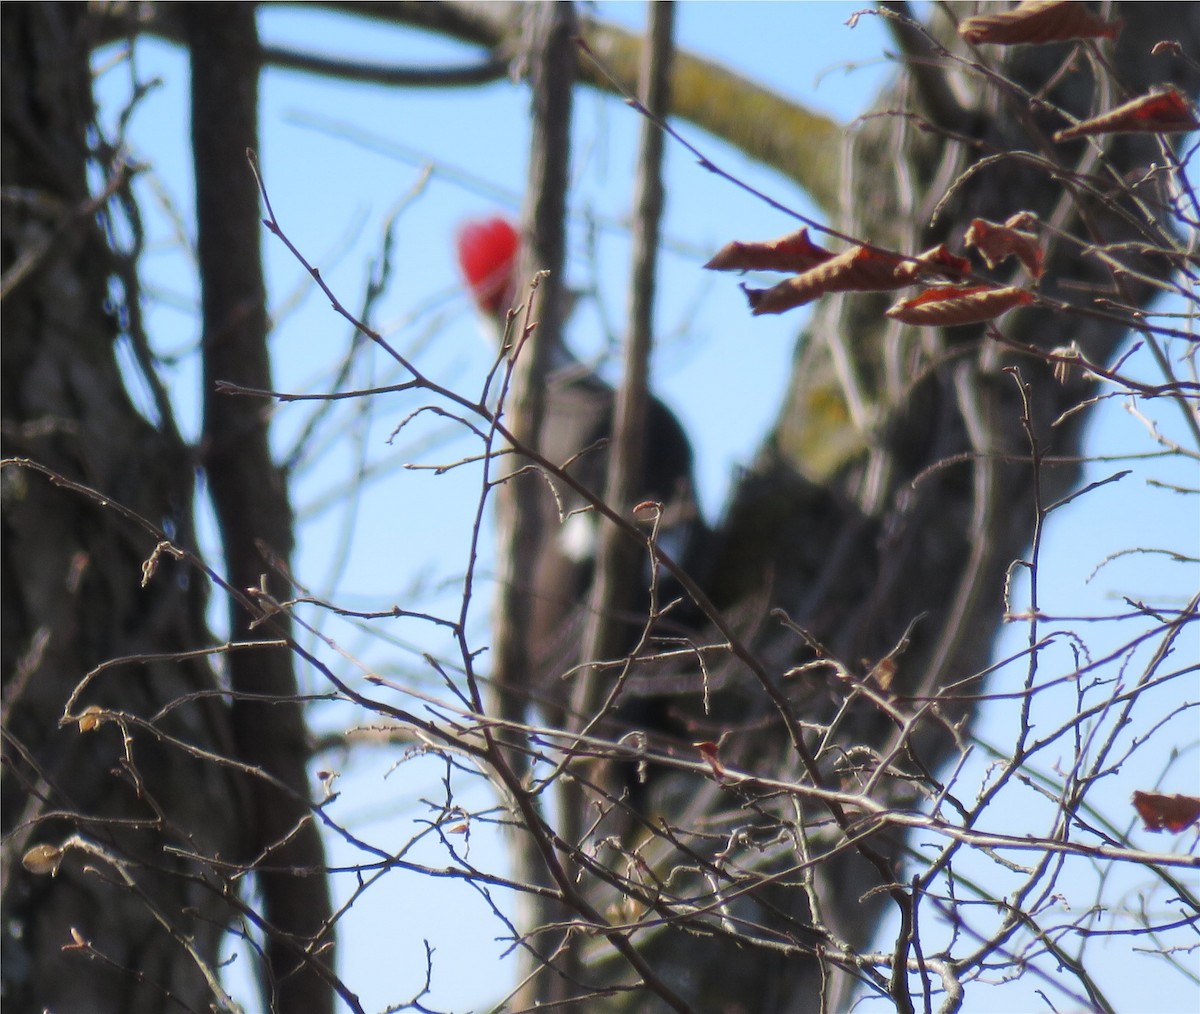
(481, 72)
(778, 132)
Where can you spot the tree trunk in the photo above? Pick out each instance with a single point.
(250, 497)
(137, 910)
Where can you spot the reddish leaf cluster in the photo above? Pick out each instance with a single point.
(1037, 22)
(868, 269)
(817, 271)
(859, 269)
(1167, 813)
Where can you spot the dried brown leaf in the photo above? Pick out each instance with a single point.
(1037, 22)
(91, 718)
(949, 305)
(43, 859)
(1160, 112)
(859, 269)
(794, 252)
(1161, 812)
(996, 243)
(938, 261)
(883, 672)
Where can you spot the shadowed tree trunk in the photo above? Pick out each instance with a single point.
(250, 498)
(143, 784)
(111, 931)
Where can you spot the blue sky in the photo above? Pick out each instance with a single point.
(338, 161)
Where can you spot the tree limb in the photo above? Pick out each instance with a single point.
(250, 498)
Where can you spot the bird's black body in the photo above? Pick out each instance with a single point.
(577, 426)
(576, 430)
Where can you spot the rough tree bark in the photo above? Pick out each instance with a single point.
(169, 790)
(88, 940)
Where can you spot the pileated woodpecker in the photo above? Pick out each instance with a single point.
(578, 416)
